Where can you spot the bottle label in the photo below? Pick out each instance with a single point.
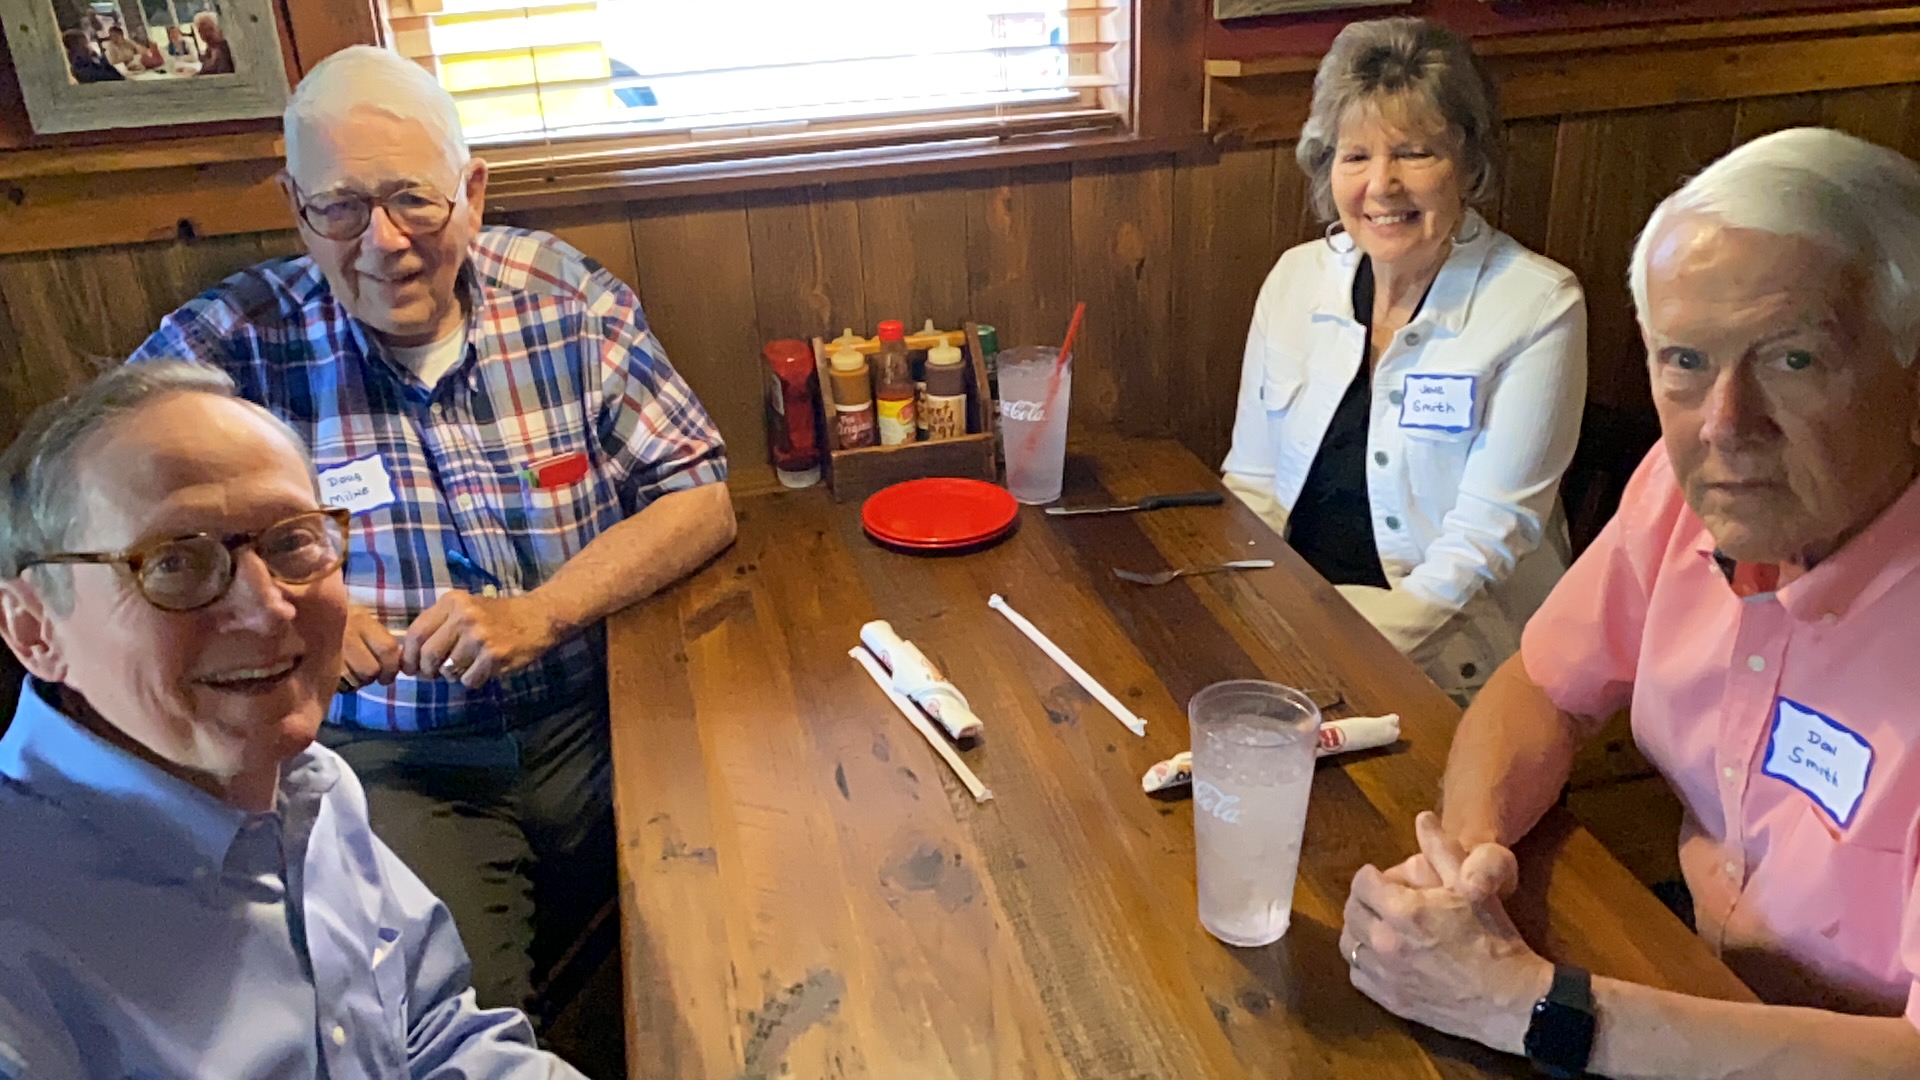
(776, 395)
(855, 424)
(946, 417)
(896, 421)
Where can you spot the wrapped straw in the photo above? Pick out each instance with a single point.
(1336, 737)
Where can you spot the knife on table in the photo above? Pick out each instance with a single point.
(1151, 502)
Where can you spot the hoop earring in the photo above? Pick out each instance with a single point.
(1334, 228)
(1479, 228)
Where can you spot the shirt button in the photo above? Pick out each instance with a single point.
(1829, 619)
(340, 1033)
(1730, 774)
(1393, 522)
(1413, 338)
(439, 411)
(1379, 457)
(1757, 663)
(1395, 397)
(1732, 868)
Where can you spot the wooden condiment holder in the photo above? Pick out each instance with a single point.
(856, 473)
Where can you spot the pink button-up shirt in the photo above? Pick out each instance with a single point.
(1804, 881)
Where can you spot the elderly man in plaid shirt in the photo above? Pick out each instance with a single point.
(521, 461)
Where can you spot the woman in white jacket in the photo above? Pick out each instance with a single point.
(1413, 384)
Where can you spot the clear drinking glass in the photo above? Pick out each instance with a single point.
(1253, 754)
(1033, 423)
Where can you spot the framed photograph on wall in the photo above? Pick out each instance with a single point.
(1247, 9)
(87, 65)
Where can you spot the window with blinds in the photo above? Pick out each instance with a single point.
(666, 79)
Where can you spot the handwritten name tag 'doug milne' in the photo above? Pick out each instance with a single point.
(359, 485)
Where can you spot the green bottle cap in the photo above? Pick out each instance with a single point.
(989, 340)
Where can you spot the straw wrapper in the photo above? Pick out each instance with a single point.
(1079, 674)
(1336, 737)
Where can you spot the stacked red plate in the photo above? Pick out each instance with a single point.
(939, 513)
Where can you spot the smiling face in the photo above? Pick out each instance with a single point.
(227, 692)
(403, 287)
(1397, 183)
(1789, 421)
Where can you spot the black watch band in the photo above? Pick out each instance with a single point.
(1559, 1038)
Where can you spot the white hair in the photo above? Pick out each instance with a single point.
(1857, 199)
(366, 76)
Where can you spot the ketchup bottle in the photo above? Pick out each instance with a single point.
(792, 403)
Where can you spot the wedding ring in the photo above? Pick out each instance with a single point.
(448, 671)
(1353, 955)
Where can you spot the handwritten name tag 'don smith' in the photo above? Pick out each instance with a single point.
(359, 485)
(1438, 402)
(1821, 757)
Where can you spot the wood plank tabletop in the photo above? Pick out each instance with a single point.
(808, 892)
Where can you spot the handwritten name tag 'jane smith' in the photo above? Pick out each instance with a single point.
(1438, 402)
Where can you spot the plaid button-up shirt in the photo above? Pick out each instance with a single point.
(563, 418)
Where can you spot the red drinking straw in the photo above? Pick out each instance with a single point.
(1059, 368)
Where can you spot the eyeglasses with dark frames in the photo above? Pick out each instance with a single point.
(186, 573)
(417, 210)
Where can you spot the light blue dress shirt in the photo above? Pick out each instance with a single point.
(149, 931)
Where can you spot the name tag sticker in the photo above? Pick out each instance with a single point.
(359, 486)
(1438, 402)
(1821, 757)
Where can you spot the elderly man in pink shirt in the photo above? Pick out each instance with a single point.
(1753, 603)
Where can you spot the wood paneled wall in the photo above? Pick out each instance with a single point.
(1168, 253)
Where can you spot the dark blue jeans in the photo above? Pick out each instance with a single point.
(513, 830)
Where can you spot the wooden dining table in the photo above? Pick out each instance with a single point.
(808, 892)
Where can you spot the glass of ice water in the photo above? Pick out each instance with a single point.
(1253, 753)
(1033, 420)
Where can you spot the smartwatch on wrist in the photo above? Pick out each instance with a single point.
(1559, 1038)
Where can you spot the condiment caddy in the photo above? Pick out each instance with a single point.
(858, 409)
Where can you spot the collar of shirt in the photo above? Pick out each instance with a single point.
(1449, 300)
(1863, 569)
(153, 817)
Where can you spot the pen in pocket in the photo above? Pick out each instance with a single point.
(474, 573)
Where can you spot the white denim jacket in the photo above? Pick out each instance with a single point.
(1464, 491)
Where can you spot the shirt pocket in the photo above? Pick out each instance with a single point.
(1279, 389)
(1435, 463)
(555, 504)
(1836, 899)
(1281, 385)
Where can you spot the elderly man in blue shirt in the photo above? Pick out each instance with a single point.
(189, 886)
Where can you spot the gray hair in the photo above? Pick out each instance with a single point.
(1857, 199)
(366, 76)
(1381, 58)
(43, 508)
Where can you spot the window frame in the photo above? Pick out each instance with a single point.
(1168, 77)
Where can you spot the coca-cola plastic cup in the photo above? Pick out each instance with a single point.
(1033, 420)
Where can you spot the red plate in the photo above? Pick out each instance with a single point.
(939, 512)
